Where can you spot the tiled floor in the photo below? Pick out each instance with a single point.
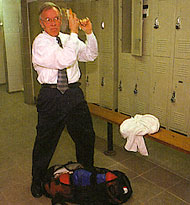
(163, 178)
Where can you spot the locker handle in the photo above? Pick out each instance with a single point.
(87, 80)
(173, 99)
(135, 90)
(156, 23)
(178, 23)
(102, 82)
(120, 86)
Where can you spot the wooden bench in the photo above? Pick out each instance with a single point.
(167, 137)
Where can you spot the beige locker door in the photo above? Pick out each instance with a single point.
(147, 46)
(106, 88)
(92, 82)
(136, 35)
(90, 10)
(180, 96)
(160, 86)
(142, 85)
(108, 53)
(126, 84)
(182, 42)
(106, 80)
(124, 26)
(163, 36)
(106, 23)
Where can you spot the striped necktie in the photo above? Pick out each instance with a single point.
(62, 80)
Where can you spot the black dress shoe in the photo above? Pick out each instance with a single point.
(36, 189)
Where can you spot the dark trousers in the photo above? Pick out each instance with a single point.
(54, 112)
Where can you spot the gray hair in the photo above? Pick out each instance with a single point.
(47, 6)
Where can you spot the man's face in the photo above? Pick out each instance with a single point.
(51, 21)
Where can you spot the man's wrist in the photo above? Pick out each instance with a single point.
(89, 32)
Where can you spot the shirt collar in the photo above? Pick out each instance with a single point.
(52, 37)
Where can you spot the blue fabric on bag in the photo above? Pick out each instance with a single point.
(81, 177)
(100, 178)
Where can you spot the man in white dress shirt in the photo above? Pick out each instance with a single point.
(58, 109)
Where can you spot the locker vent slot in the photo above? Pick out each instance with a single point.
(140, 107)
(141, 66)
(183, 46)
(159, 112)
(179, 118)
(124, 104)
(183, 70)
(161, 45)
(161, 67)
(146, 46)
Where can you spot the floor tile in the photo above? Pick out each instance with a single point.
(182, 190)
(165, 198)
(162, 177)
(138, 164)
(143, 190)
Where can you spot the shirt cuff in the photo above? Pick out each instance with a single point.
(89, 35)
(74, 35)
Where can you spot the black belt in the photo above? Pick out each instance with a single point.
(70, 85)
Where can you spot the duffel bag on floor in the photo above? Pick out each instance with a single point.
(97, 186)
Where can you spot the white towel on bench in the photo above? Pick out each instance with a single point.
(135, 128)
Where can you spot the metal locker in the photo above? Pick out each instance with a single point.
(106, 80)
(106, 24)
(108, 52)
(160, 87)
(124, 28)
(106, 88)
(136, 34)
(163, 27)
(92, 82)
(126, 82)
(92, 68)
(147, 43)
(142, 84)
(182, 29)
(180, 96)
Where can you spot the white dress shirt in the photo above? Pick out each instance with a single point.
(48, 57)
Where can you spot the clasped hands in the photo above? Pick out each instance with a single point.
(75, 23)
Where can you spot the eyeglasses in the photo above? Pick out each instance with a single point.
(50, 20)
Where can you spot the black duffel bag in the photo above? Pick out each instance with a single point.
(97, 186)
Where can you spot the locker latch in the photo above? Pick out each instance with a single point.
(178, 23)
(135, 90)
(102, 82)
(173, 99)
(156, 23)
(87, 81)
(120, 86)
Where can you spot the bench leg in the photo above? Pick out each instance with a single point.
(109, 151)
